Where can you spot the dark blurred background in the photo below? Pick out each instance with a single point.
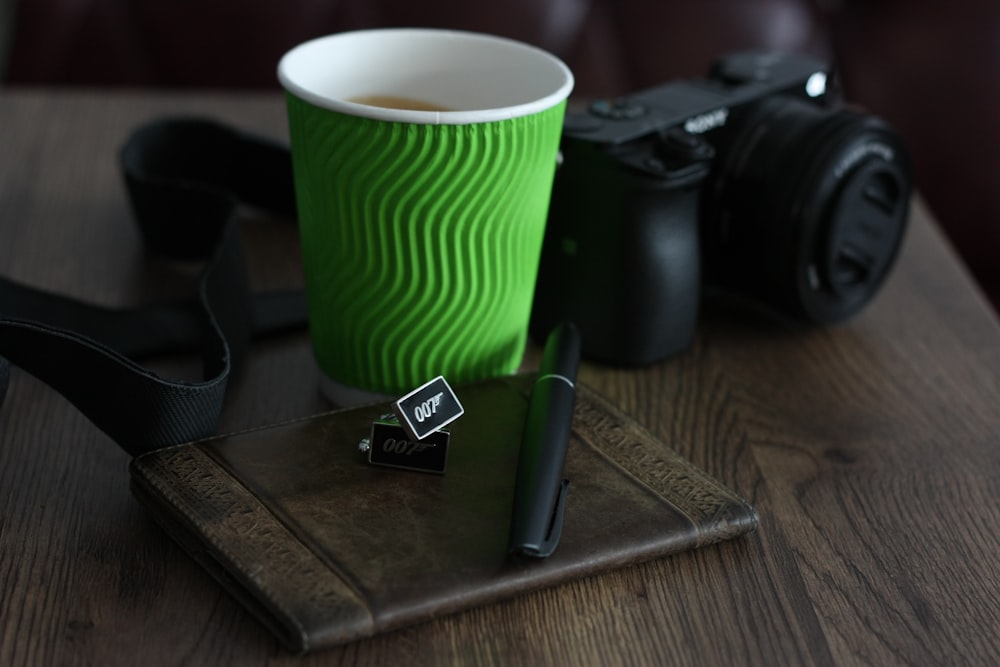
(931, 68)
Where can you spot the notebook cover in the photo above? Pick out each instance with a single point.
(325, 548)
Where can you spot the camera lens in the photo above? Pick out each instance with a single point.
(805, 208)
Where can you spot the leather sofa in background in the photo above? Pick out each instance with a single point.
(931, 68)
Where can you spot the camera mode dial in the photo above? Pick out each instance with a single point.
(742, 69)
(619, 109)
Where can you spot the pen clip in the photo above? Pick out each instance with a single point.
(548, 545)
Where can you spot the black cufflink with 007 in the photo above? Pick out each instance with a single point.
(390, 445)
(414, 438)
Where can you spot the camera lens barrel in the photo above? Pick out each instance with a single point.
(805, 209)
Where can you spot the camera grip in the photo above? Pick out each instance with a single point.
(624, 265)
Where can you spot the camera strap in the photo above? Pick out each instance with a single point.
(185, 178)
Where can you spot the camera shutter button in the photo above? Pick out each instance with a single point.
(677, 145)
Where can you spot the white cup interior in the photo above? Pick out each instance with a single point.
(479, 78)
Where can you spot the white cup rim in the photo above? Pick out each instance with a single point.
(313, 71)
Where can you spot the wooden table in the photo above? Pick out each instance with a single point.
(871, 451)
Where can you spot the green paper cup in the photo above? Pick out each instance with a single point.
(423, 166)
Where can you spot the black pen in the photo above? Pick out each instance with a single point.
(540, 490)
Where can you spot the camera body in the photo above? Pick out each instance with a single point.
(751, 181)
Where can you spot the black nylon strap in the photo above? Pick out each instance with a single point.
(185, 178)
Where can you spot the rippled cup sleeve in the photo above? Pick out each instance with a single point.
(420, 242)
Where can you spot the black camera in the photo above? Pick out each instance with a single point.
(752, 180)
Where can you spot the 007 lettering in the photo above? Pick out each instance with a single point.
(424, 411)
(404, 447)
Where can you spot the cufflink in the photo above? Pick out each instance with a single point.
(428, 408)
(391, 446)
(413, 436)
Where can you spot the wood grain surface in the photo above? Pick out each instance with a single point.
(871, 451)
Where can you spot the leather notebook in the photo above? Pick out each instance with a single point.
(324, 547)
